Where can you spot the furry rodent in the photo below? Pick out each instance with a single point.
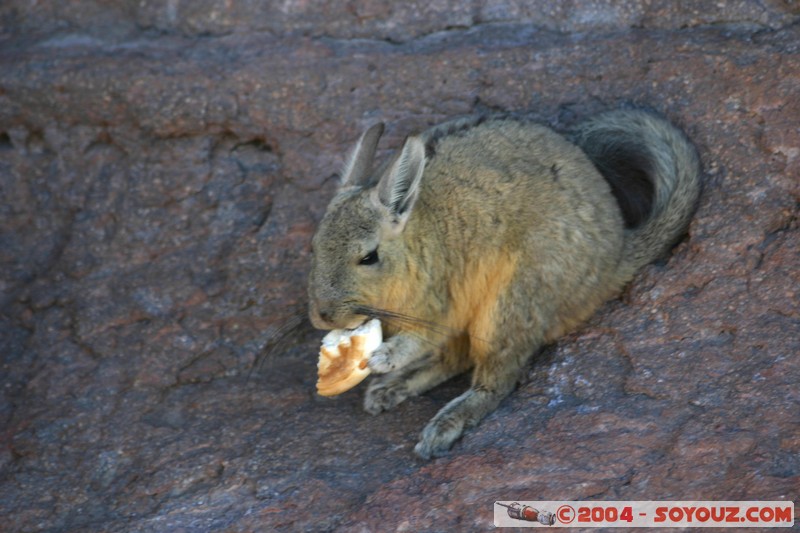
(485, 238)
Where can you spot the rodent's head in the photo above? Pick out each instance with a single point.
(359, 256)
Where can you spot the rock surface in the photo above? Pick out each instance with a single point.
(162, 168)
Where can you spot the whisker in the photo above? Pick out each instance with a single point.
(275, 340)
(400, 319)
(417, 336)
(406, 319)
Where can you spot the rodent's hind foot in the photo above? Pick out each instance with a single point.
(450, 422)
(384, 394)
(446, 427)
(439, 435)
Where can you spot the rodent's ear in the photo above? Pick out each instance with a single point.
(399, 186)
(356, 171)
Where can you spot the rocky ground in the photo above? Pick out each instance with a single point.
(162, 169)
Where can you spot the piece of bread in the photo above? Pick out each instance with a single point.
(343, 357)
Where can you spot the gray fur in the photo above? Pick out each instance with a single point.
(399, 187)
(489, 238)
(359, 164)
(675, 169)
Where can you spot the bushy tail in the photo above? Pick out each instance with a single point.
(654, 172)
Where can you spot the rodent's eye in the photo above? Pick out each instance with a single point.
(369, 259)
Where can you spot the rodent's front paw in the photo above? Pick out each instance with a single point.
(380, 362)
(383, 395)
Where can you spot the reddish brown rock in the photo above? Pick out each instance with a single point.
(162, 168)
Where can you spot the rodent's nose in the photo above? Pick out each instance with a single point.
(327, 315)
